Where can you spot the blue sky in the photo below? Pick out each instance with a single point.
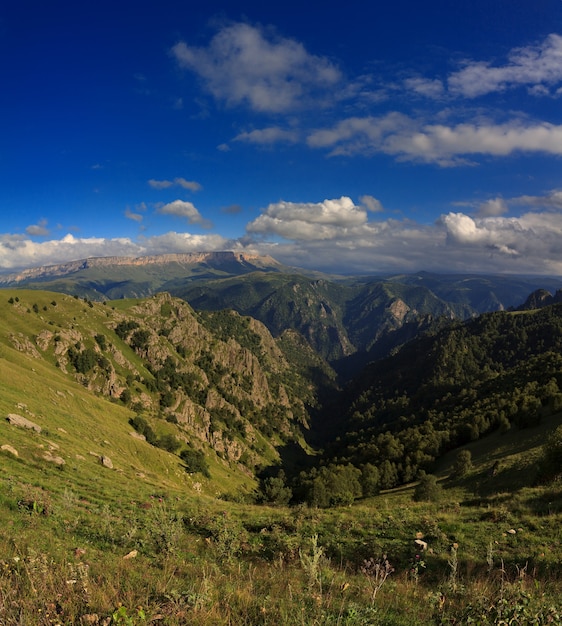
(348, 137)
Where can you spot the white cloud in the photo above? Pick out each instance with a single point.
(184, 242)
(191, 185)
(251, 66)
(336, 235)
(492, 208)
(552, 200)
(533, 239)
(533, 66)
(410, 139)
(21, 253)
(309, 221)
(428, 87)
(266, 136)
(181, 208)
(17, 252)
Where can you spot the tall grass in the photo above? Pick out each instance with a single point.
(192, 561)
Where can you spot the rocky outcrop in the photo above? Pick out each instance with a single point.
(220, 378)
(541, 298)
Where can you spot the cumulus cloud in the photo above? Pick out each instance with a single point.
(533, 239)
(191, 185)
(309, 221)
(184, 242)
(533, 66)
(411, 139)
(247, 65)
(17, 253)
(181, 208)
(336, 235)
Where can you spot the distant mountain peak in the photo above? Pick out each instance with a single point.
(213, 259)
(541, 298)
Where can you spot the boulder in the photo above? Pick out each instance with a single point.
(8, 448)
(131, 555)
(17, 420)
(57, 460)
(106, 462)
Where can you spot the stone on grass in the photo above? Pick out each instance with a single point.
(17, 420)
(106, 462)
(8, 448)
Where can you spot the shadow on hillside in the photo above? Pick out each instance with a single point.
(292, 460)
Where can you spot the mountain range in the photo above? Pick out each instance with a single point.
(173, 457)
(249, 365)
(348, 320)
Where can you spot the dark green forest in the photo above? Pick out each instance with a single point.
(440, 391)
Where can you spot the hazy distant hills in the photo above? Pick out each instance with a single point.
(338, 316)
(102, 278)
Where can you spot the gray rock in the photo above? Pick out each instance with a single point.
(106, 462)
(17, 420)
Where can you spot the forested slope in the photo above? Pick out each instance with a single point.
(499, 371)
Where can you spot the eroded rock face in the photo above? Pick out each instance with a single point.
(17, 420)
(399, 309)
(24, 344)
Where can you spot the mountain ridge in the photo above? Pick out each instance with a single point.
(347, 320)
(189, 258)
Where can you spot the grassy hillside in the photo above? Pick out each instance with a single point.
(186, 378)
(141, 540)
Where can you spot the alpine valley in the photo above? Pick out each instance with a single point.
(217, 438)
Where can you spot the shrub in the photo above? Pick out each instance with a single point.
(370, 480)
(427, 489)
(275, 491)
(168, 442)
(101, 341)
(142, 427)
(195, 461)
(463, 463)
(550, 464)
